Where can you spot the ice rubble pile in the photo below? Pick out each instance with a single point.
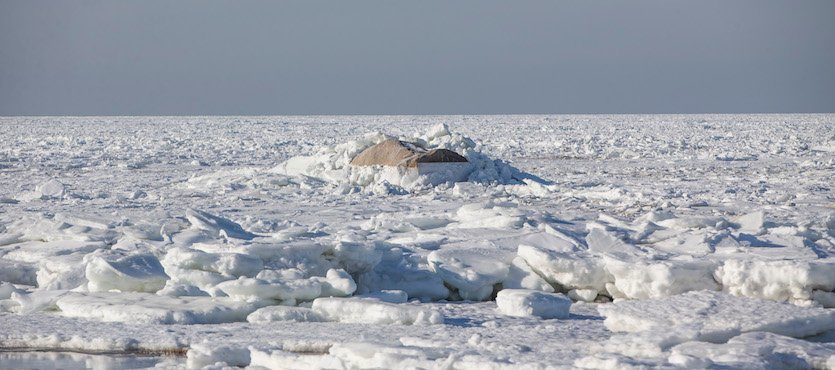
(332, 164)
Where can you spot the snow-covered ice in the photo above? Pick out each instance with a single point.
(575, 241)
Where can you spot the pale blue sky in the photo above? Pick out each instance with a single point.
(421, 56)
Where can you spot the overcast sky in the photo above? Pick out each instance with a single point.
(419, 56)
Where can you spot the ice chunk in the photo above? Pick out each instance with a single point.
(655, 279)
(61, 272)
(155, 309)
(401, 270)
(523, 302)
(473, 271)
(337, 283)
(521, 276)
(216, 225)
(602, 242)
(134, 273)
(204, 269)
(753, 222)
(367, 311)
(787, 280)
(715, 316)
(572, 270)
(284, 313)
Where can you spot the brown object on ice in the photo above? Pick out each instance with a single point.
(394, 152)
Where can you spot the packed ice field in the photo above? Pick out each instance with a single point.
(575, 242)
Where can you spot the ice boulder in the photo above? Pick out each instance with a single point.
(367, 311)
(524, 303)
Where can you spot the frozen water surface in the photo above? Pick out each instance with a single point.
(627, 241)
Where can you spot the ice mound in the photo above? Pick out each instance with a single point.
(154, 309)
(715, 317)
(332, 164)
(369, 311)
(521, 302)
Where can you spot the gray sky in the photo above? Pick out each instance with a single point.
(418, 56)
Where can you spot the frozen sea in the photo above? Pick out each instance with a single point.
(576, 241)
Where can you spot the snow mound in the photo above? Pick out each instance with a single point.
(525, 303)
